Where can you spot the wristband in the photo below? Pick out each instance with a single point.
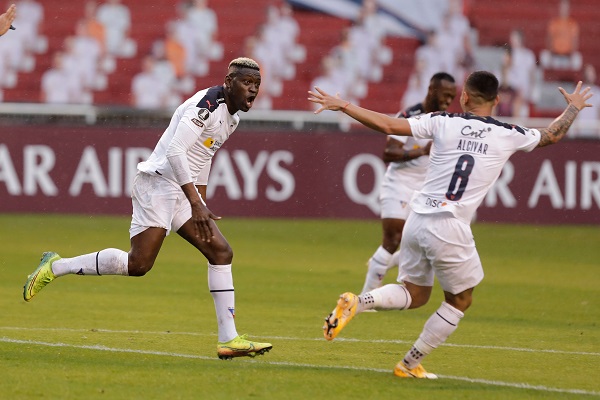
(345, 105)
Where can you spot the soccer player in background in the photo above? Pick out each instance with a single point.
(468, 152)
(7, 19)
(169, 193)
(408, 159)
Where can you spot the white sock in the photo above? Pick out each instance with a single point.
(103, 262)
(378, 266)
(437, 329)
(389, 297)
(220, 284)
(395, 260)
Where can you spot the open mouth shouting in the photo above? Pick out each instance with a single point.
(250, 101)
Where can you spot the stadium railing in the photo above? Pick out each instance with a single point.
(287, 119)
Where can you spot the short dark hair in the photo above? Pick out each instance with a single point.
(441, 76)
(482, 85)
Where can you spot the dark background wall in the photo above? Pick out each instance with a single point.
(312, 174)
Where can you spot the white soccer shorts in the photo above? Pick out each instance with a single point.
(394, 201)
(440, 245)
(157, 203)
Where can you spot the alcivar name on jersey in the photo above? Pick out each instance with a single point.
(473, 146)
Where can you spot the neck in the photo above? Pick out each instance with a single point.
(480, 111)
(428, 107)
(230, 107)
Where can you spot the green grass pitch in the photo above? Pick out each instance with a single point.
(532, 332)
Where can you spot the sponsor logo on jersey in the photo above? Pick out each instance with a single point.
(203, 113)
(435, 203)
(475, 134)
(197, 122)
(212, 144)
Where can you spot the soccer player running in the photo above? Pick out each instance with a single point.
(168, 195)
(468, 152)
(408, 159)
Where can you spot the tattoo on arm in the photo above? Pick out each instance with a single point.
(558, 128)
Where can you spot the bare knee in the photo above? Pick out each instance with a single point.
(419, 300)
(461, 301)
(419, 294)
(138, 266)
(392, 234)
(221, 254)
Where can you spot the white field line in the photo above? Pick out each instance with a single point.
(290, 364)
(351, 340)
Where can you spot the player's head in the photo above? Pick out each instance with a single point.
(241, 84)
(480, 91)
(441, 92)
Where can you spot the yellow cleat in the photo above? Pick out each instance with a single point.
(340, 316)
(42, 276)
(402, 371)
(240, 346)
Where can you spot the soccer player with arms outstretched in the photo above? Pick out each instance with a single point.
(467, 156)
(407, 160)
(168, 195)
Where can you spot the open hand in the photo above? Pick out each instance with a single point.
(7, 19)
(327, 101)
(579, 97)
(202, 219)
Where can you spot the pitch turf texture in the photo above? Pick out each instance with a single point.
(532, 332)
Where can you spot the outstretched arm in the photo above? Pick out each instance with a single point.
(7, 18)
(576, 101)
(372, 119)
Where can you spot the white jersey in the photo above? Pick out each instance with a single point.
(203, 124)
(411, 173)
(466, 158)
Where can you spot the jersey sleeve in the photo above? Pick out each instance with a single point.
(192, 124)
(176, 154)
(197, 119)
(528, 140)
(425, 125)
(401, 139)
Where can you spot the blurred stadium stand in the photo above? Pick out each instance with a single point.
(319, 33)
(495, 19)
